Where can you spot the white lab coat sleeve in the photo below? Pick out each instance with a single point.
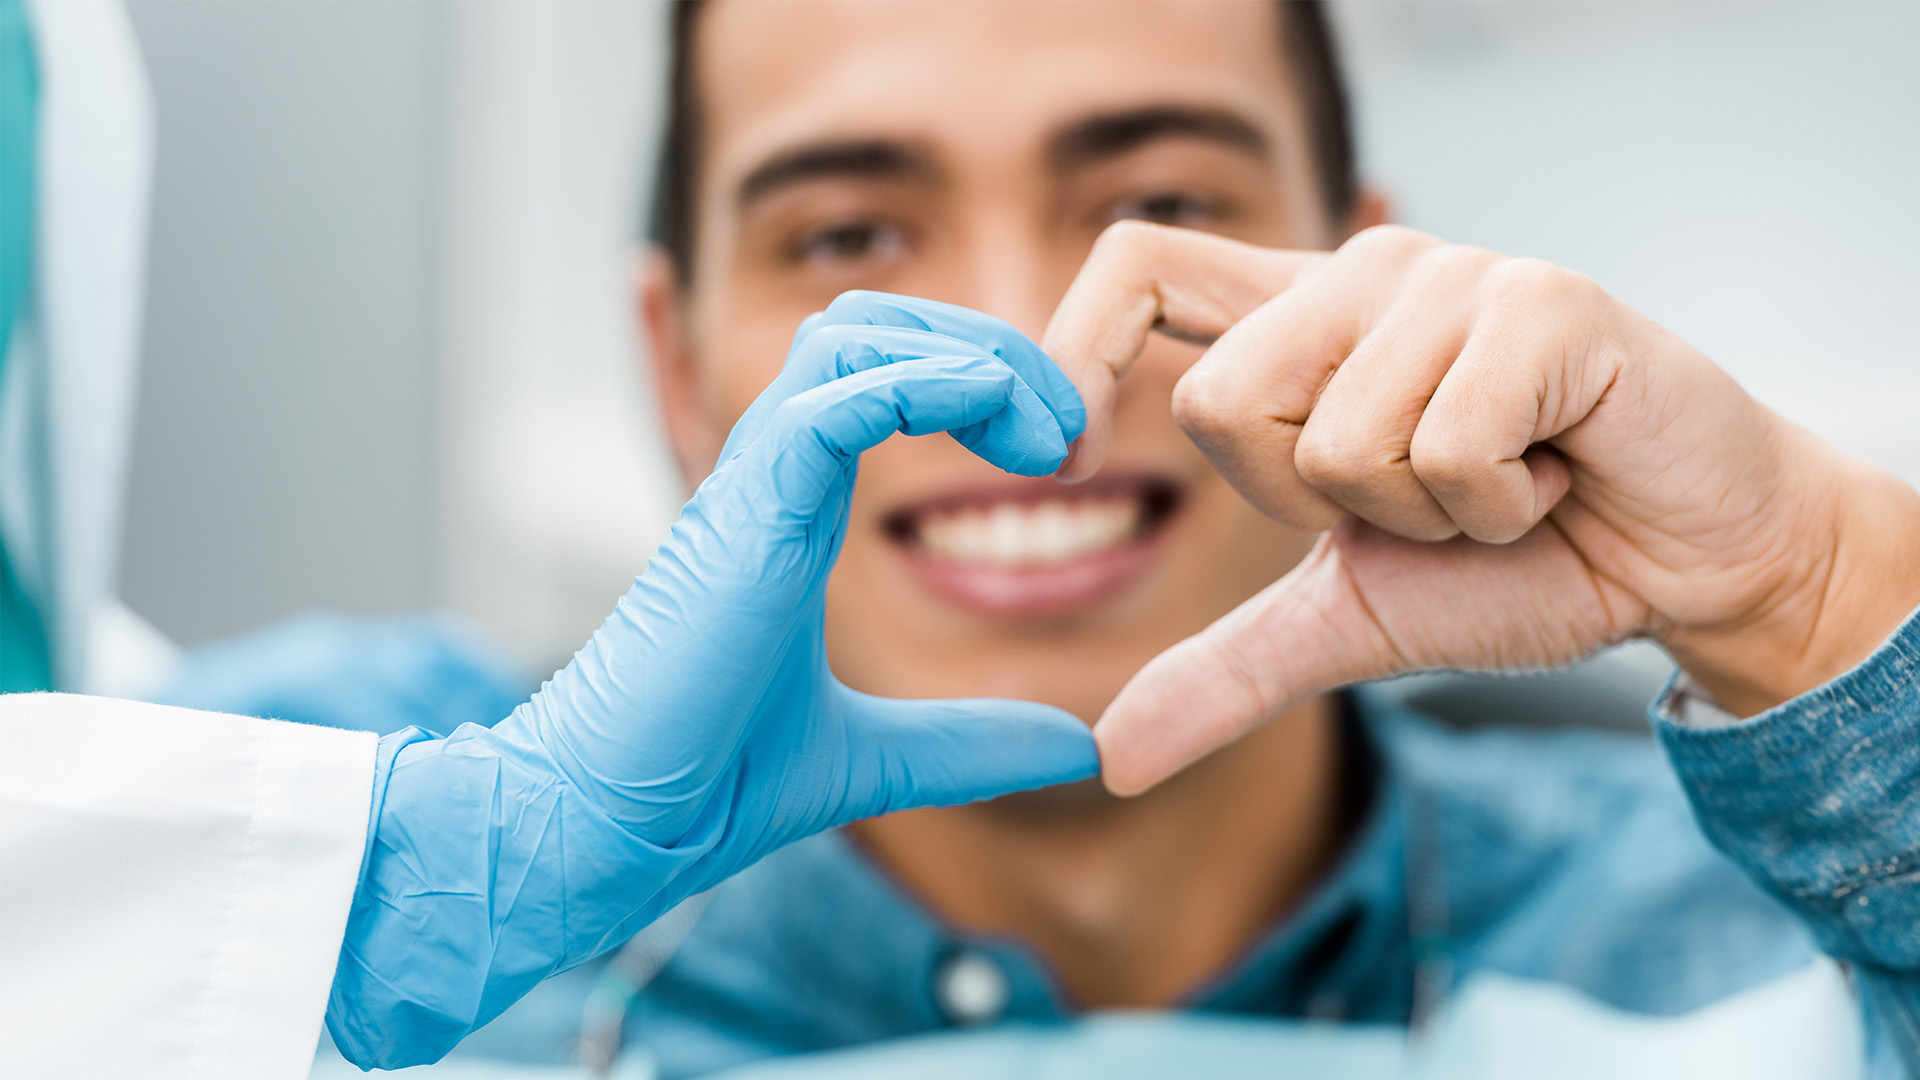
(174, 886)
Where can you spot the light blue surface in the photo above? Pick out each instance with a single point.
(1802, 1026)
(378, 674)
(330, 1067)
(1114, 1046)
(701, 728)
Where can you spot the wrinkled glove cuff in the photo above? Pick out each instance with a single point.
(485, 872)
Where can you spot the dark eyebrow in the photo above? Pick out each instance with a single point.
(1108, 135)
(862, 158)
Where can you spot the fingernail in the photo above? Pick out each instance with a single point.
(1064, 473)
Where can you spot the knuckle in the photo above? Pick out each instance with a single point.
(1453, 262)
(852, 302)
(849, 346)
(1126, 243)
(1127, 235)
(835, 334)
(1446, 461)
(834, 337)
(1523, 276)
(1390, 242)
(1537, 282)
(1326, 461)
(795, 413)
(1203, 406)
(795, 423)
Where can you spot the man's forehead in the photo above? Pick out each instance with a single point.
(775, 75)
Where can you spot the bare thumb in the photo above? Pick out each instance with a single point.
(1303, 635)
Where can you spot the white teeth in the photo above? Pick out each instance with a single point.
(1030, 534)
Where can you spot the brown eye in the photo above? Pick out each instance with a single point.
(1168, 208)
(850, 242)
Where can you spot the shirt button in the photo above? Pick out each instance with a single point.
(970, 988)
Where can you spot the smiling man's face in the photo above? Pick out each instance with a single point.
(971, 152)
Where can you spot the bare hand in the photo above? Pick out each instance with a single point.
(1513, 470)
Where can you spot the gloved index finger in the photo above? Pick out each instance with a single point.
(1031, 431)
(997, 336)
(776, 487)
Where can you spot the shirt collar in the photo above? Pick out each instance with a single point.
(1344, 952)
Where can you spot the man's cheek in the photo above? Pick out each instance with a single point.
(1162, 362)
(744, 383)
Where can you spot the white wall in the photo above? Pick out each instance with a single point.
(1744, 172)
(390, 361)
(284, 442)
(554, 486)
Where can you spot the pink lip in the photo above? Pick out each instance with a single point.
(1030, 592)
(1053, 591)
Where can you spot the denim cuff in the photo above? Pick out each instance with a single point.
(1819, 799)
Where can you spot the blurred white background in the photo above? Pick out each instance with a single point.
(390, 360)
(389, 355)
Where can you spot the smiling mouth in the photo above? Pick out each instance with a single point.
(1037, 549)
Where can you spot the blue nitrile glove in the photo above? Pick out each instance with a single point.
(700, 728)
(371, 673)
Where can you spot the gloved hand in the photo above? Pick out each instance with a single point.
(379, 674)
(701, 728)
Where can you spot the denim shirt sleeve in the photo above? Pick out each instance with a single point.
(1819, 800)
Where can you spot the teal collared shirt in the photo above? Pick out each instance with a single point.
(1569, 856)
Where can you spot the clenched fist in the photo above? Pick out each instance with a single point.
(1512, 469)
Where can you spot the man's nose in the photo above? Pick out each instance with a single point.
(1012, 274)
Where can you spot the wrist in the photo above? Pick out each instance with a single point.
(1855, 579)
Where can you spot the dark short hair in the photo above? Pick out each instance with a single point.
(1306, 41)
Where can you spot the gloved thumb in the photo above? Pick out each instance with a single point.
(1303, 635)
(946, 752)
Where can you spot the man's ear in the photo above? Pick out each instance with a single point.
(660, 305)
(1371, 207)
